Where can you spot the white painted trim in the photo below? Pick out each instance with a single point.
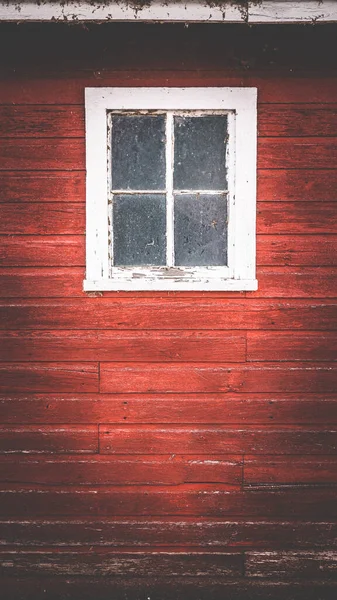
(251, 11)
(240, 105)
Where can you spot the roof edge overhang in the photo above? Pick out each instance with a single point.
(192, 11)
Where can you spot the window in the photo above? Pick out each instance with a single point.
(171, 198)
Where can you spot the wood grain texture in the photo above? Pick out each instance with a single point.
(297, 120)
(127, 346)
(220, 439)
(297, 153)
(282, 346)
(288, 218)
(296, 250)
(56, 154)
(165, 588)
(287, 565)
(296, 185)
(42, 121)
(168, 313)
(57, 218)
(46, 377)
(140, 532)
(42, 186)
(120, 470)
(251, 378)
(29, 501)
(58, 439)
(297, 282)
(110, 563)
(169, 408)
(42, 251)
(42, 282)
(295, 469)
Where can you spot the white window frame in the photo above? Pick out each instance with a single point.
(240, 104)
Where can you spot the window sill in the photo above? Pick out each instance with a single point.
(138, 283)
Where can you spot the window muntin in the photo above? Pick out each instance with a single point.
(207, 235)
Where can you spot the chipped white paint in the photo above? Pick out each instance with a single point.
(230, 11)
(240, 105)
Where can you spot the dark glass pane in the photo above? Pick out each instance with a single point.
(200, 153)
(200, 230)
(138, 152)
(139, 229)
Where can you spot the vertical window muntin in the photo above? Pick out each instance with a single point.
(223, 270)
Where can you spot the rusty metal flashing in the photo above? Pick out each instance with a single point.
(230, 11)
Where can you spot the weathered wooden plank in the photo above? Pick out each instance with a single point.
(296, 218)
(65, 439)
(251, 378)
(53, 89)
(297, 153)
(301, 250)
(287, 565)
(125, 470)
(281, 346)
(165, 588)
(297, 282)
(48, 377)
(42, 186)
(143, 532)
(297, 120)
(36, 218)
(295, 469)
(44, 121)
(168, 313)
(42, 251)
(54, 154)
(274, 282)
(168, 408)
(126, 346)
(107, 562)
(189, 499)
(59, 218)
(296, 185)
(151, 439)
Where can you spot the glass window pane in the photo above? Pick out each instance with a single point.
(138, 152)
(139, 229)
(200, 230)
(200, 153)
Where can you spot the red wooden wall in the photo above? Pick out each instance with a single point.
(177, 445)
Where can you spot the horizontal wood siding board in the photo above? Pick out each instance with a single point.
(46, 121)
(295, 469)
(188, 500)
(167, 313)
(59, 121)
(134, 346)
(217, 440)
(155, 378)
(121, 470)
(297, 282)
(169, 532)
(295, 250)
(58, 439)
(65, 89)
(42, 186)
(37, 218)
(165, 588)
(59, 218)
(297, 120)
(287, 565)
(297, 153)
(46, 377)
(183, 408)
(42, 251)
(288, 346)
(110, 563)
(296, 185)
